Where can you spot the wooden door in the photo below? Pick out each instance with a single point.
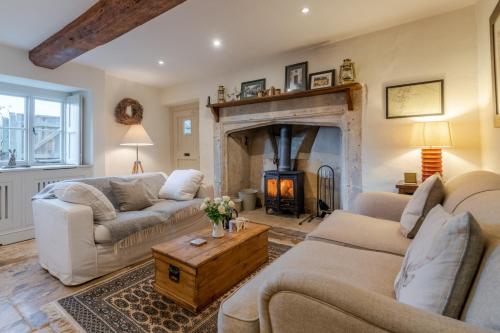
(185, 149)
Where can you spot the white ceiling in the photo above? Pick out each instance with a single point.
(249, 30)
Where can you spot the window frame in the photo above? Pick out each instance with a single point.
(31, 133)
(31, 94)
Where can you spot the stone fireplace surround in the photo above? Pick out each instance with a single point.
(323, 111)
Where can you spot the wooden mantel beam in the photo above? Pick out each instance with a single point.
(100, 24)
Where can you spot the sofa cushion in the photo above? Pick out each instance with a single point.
(154, 181)
(131, 195)
(164, 212)
(88, 195)
(441, 263)
(369, 270)
(181, 185)
(362, 232)
(426, 197)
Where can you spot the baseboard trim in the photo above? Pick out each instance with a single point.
(17, 236)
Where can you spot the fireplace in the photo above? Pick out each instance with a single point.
(284, 191)
(246, 148)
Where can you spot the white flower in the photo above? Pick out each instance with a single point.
(203, 206)
(222, 210)
(217, 200)
(226, 198)
(207, 200)
(231, 204)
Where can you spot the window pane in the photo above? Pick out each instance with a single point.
(47, 121)
(187, 127)
(12, 126)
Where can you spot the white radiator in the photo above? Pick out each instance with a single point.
(16, 190)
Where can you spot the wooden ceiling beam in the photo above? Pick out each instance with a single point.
(100, 24)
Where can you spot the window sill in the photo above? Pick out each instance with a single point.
(43, 167)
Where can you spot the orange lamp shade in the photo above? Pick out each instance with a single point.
(432, 137)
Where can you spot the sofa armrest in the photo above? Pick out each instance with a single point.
(293, 301)
(205, 191)
(65, 240)
(382, 205)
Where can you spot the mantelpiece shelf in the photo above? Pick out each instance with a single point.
(346, 89)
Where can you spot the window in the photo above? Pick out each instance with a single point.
(187, 127)
(40, 129)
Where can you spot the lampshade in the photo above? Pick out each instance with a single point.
(136, 136)
(431, 134)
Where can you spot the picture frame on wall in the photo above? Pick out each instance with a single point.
(417, 99)
(250, 89)
(495, 61)
(296, 77)
(324, 79)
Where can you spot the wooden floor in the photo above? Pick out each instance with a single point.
(25, 287)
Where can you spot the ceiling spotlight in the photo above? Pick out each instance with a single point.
(305, 10)
(217, 43)
(161, 62)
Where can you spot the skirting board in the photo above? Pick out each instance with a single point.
(17, 236)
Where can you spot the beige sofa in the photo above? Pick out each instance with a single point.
(340, 279)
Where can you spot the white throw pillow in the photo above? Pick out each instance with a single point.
(429, 194)
(181, 185)
(88, 195)
(440, 264)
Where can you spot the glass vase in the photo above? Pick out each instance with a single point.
(217, 229)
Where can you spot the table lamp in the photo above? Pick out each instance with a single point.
(136, 136)
(431, 136)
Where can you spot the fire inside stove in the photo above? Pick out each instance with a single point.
(286, 188)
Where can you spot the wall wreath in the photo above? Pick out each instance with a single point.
(123, 117)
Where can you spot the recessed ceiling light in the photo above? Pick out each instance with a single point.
(161, 62)
(305, 10)
(217, 43)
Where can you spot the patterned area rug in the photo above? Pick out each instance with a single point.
(128, 303)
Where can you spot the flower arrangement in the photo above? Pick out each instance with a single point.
(218, 210)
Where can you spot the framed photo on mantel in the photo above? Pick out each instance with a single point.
(415, 99)
(296, 77)
(495, 60)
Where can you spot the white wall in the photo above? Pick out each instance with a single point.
(490, 136)
(119, 159)
(15, 62)
(103, 93)
(437, 47)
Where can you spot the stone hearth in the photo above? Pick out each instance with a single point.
(242, 139)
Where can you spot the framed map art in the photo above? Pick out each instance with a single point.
(415, 99)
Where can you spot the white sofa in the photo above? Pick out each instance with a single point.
(75, 249)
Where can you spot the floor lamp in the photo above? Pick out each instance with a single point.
(432, 137)
(136, 136)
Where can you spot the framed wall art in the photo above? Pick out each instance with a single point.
(323, 79)
(495, 60)
(296, 77)
(415, 99)
(250, 89)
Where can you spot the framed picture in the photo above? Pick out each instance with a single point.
(414, 99)
(495, 60)
(296, 77)
(250, 89)
(323, 79)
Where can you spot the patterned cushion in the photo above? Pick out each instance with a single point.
(88, 195)
(428, 195)
(441, 263)
(131, 195)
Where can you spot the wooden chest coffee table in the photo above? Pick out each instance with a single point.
(196, 276)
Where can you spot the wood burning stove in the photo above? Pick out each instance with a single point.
(284, 188)
(284, 191)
